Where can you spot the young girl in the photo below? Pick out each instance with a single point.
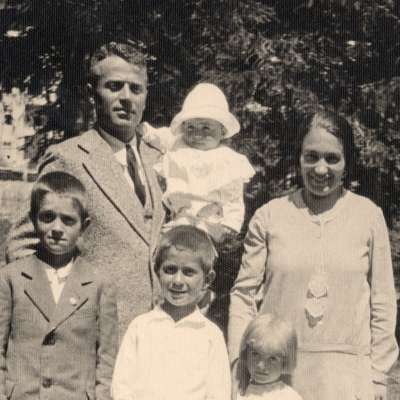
(204, 178)
(268, 352)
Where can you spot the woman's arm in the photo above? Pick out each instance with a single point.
(384, 350)
(243, 307)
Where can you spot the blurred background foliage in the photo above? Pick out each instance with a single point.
(276, 60)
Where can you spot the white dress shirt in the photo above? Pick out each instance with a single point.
(57, 279)
(160, 359)
(119, 150)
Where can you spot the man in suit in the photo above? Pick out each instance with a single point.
(115, 166)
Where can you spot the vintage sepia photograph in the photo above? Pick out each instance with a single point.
(199, 199)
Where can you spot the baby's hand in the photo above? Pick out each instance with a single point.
(216, 231)
(177, 203)
(380, 391)
(211, 210)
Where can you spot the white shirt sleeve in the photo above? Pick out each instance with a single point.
(125, 371)
(219, 378)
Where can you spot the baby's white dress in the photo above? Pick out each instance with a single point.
(204, 185)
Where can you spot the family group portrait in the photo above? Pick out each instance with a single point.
(199, 199)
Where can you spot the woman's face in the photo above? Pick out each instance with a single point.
(322, 163)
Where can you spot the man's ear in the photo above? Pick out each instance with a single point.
(209, 278)
(31, 218)
(85, 224)
(90, 92)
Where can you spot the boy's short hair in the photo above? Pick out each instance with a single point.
(62, 184)
(187, 237)
(269, 334)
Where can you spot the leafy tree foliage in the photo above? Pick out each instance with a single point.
(276, 60)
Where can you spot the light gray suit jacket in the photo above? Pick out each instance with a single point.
(56, 351)
(122, 237)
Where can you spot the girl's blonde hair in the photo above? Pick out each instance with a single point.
(269, 334)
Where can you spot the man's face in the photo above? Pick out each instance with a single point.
(120, 96)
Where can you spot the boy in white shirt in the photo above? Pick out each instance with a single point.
(173, 352)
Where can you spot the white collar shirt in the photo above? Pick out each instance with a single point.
(119, 151)
(57, 279)
(160, 359)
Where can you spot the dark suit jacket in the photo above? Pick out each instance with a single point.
(57, 351)
(122, 237)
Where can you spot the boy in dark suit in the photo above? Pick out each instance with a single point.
(58, 319)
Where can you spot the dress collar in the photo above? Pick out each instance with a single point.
(298, 201)
(266, 388)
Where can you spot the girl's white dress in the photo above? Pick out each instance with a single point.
(275, 391)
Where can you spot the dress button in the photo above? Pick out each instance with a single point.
(46, 382)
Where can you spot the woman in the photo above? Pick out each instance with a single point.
(322, 259)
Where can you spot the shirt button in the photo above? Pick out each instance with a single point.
(46, 382)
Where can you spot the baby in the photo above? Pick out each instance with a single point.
(204, 178)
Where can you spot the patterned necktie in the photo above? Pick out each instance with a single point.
(133, 169)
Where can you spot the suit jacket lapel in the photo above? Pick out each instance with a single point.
(74, 294)
(37, 288)
(108, 176)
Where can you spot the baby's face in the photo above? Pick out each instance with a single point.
(202, 133)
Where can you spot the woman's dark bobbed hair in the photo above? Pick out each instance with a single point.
(339, 127)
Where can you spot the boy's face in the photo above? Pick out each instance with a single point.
(58, 224)
(182, 278)
(202, 134)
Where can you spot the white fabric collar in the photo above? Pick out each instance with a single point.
(61, 273)
(118, 147)
(196, 317)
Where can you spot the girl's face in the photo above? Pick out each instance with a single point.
(322, 163)
(202, 133)
(264, 368)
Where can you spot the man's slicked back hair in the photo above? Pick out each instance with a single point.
(131, 53)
